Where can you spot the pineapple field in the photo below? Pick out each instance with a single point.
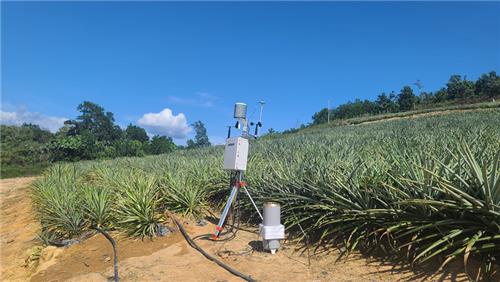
(415, 190)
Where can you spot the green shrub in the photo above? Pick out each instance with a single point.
(98, 204)
(137, 206)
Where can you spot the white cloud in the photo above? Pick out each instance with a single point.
(165, 123)
(20, 116)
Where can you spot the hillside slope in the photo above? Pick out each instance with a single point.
(409, 114)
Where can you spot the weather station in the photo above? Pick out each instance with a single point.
(235, 160)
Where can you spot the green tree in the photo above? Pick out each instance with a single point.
(201, 137)
(427, 98)
(354, 109)
(384, 103)
(441, 95)
(129, 148)
(133, 132)
(488, 85)
(458, 88)
(95, 120)
(24, 145)
(161, 145)
(35, 133)
(321, 116)
(64, 130)
(67, 148)
(84, 146)
(406, 99)
(394, 99)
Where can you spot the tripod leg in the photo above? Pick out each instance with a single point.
(254, 205)
(230, 200)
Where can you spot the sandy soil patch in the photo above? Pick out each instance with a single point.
(174, 260)
(18, 228)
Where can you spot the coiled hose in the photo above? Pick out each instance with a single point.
(208, 256)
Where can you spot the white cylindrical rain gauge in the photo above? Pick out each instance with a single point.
(271, 230)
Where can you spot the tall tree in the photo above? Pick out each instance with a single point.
(384, 103)
(355, 109)
(95, 120)
(427, 97)
(441, 95)
(134, 132)
(161, 145)
(406, 99)
(201, 137)
(394, 99)
(321, 116)
(458, 88)
(488, 85)
(129, 148)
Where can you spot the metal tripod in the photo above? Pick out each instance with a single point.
(236, 185)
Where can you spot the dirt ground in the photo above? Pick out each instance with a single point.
(170, 258)
(18, 228)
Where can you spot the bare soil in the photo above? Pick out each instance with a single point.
(170, 258)
(18, 228)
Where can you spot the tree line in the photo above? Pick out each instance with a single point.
(91, 135)
(458, 90)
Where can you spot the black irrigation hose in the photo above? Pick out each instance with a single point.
(113, 243)
(208, 256)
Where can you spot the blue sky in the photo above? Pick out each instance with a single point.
(164, 59)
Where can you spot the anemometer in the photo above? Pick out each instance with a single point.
(235, 160)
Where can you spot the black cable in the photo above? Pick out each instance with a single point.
(233, 228)
(235, 217)
(208, 256)
(220, 238)
(113, 244)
